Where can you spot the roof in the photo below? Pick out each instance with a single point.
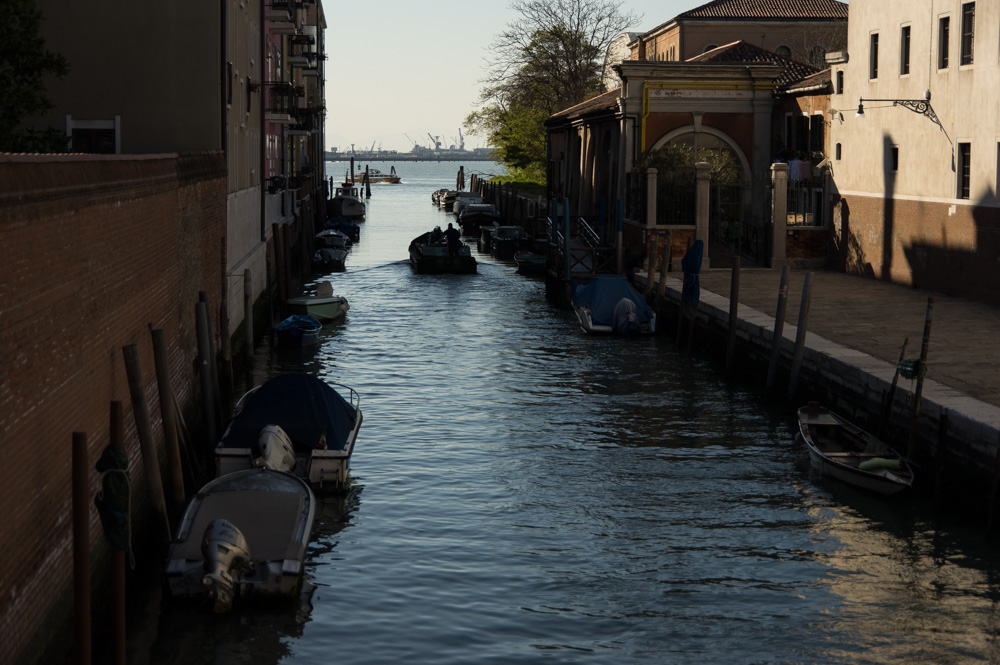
(762, 10)
(801, 10)
(604, 102)
(818, 82)
(743, 53)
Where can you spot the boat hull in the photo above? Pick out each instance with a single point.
(839, 449)
(324, 310)
(427, 262)
(322, 425)
(273, 510)
(298, 331)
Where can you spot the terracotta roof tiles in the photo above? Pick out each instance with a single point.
(743, 53)
(768, 10)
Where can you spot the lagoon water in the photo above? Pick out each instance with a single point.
(524, 493)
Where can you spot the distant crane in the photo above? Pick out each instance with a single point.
(461, 140)
(415, 144)
(435, 141)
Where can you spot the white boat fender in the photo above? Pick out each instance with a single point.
(227, 555)
(276, 450)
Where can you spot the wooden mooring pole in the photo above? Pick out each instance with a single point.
(117, 555)
(779, 325)
(204, 372)
(81, 550)
(800, 336)
(734, 306)
(921, 372)
(248, 320)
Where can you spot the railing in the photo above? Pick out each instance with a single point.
(805, 202)
(279, 98)
(676, 196)
(587, 257)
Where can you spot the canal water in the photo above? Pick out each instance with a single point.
(524, 493)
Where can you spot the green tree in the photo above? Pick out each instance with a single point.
(24, 63)
(548, 60)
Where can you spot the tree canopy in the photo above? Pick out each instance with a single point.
(547, 60)
(24, 63)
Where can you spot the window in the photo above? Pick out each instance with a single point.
(873, 56)
(964, 172)
(904, 51)
(840, 82)
(944, 25)
(817, 57)
(894, 158)
(968, 31)
(838, 152)
(710, 47)
(816, 133)
(802, 133)
(784, 51)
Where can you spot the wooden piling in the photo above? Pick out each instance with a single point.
(225, 343)
(204, 371)
(779, 324)
(734, 307)
(150, 460)
(279, 262)
(81, 550)
(118, 606)
(800, 336)
(921, 372)
(887, 405)
(175, 472)
(664, 265)
(213, 361)
(248, 319)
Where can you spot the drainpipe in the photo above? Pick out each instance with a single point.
(263, 124)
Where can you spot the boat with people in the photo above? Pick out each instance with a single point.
(610, 304)
(320, 423)
(842, 450)
(376, 177)
(431, 253)
(346, 203)
(324, 306)
(243, 535)
(298, 331)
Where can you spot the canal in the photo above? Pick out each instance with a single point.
(526, 494)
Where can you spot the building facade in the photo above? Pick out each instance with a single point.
(916, 145)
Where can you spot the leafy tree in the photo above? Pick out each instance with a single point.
(24, 62)
(550, 59)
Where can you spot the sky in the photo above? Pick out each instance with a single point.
(398, 70)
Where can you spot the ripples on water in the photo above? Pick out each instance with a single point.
(527, 494)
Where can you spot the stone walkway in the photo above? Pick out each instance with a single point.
(875, 317)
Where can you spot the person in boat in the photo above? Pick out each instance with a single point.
(436, 235)
(454, 238)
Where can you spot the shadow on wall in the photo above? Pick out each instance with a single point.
(848, 250)
(963, 272)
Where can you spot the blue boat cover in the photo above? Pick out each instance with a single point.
(302, 405)
(299, 321)
(691, 265)
(603, 294)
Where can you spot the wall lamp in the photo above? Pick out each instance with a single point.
(919, 106)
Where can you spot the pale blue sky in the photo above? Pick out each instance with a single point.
(402, 67)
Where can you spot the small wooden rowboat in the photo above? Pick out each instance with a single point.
(844, 451)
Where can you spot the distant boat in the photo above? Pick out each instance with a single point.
(429, 253)
(839, 449)
(376, 177)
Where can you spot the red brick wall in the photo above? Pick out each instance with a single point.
(93, 249)
(934, 245)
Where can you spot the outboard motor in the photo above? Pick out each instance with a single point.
(276, 450)
(625, 320)
(226, 555)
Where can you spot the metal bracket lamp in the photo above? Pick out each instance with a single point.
(918, 106)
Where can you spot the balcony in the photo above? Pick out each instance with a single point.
(281, 16)
(307, 121)
(280, 102)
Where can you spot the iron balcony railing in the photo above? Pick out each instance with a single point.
(280, 98)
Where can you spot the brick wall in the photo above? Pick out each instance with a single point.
(938, 246)
(92, 250)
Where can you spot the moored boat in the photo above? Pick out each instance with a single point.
(243, 535)
(530, 263)
(324, 306)
(333, 239)
(346, 203)
(610, 304)
(298, 330)
(507, 240)
(842, 450)
(321, 425)
(475, 216)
